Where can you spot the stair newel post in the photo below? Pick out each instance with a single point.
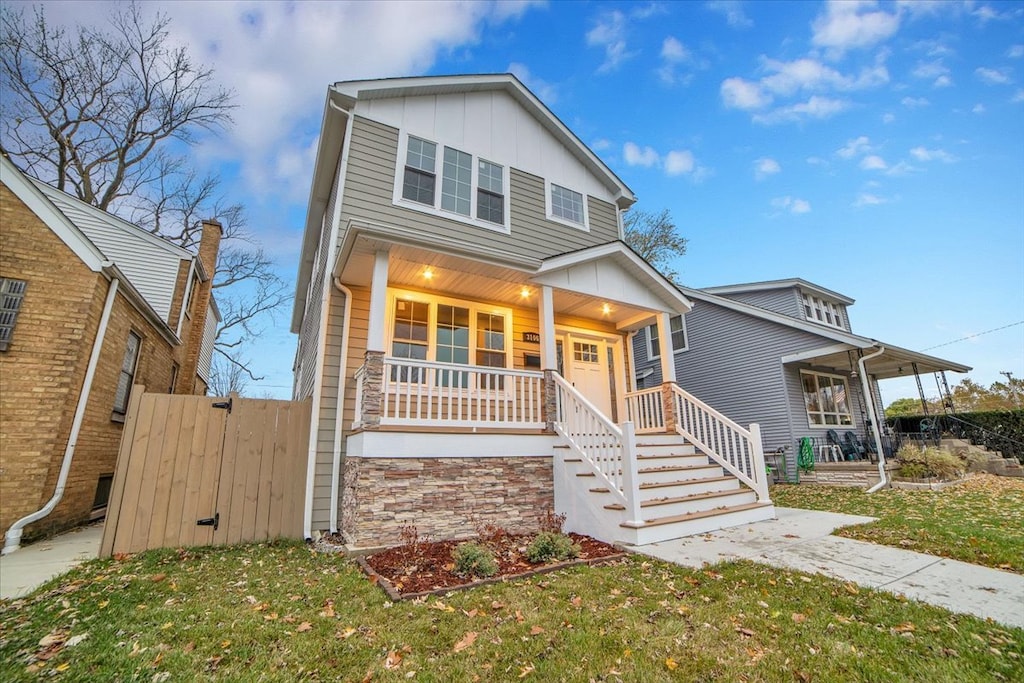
(630, 473)
(760, 473)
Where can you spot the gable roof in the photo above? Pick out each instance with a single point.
(779, 284)
(838, 339)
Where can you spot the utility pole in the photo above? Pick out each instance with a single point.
(1009, 384)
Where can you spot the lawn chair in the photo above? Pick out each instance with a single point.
(854, 447)
(833, 448)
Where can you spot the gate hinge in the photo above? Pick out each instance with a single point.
(210, 521)
(226, 405)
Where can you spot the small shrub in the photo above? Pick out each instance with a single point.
(472, 559)
(409, 535)
(551, 522)
(491, 533)
(547, 546)
(921, 463)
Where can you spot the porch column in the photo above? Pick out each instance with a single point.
(668, 359)
(378, 303)
(372, 388)
(546, 314)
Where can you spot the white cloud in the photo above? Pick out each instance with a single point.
(935, 71)
(855, 147)
(792, 204)
(600, 144)
(635, 156)
(985, 14)
(868, 199)
(923, 154)
(732, 11)
(1018, 96)
(738, 93)
(943, 82)
(1015, 52)
(811, 75)
(610, 34)
(679, 162)
(673, 53)
(888, 117)
(816, 107)
(913, 102)
(992, 76)
(817, 161)
(873, 162)
(765, 167)
(847, 25)
(978, 109)
(547, 93)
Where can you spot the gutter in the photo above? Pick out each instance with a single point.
(873, 416)
(12, 539)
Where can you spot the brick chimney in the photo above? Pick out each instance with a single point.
(192, 333)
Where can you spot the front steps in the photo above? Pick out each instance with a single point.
(682, 493)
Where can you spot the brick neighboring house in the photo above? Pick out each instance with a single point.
(90, 305)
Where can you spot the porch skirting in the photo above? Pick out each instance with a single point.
(860, 474)
(442, 497)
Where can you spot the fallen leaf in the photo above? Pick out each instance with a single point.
(851, 588)
(577, 601)
(525, 670)
(744, 631)
(328, 610)
(671, 664)
(497, 605)
(53, 638)
(393, 660)
(799, 618)
(346, 634)
(64, 667)
(188, 647)
(303, 627)
(466, 641)
(906, 627)
(536, 630)
(157, 578)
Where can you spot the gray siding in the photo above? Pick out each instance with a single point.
(369, 192)
(785, 301)
(328, 415)
(734, 364)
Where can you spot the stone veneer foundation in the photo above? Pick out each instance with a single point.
(442, 497)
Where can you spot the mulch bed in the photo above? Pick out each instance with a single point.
(426, 568)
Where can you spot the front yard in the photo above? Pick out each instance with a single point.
(282, 612)
(980, 521)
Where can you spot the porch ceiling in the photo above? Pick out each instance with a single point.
(465, 278)
(894, 362)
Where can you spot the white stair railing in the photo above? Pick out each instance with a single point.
(607, 449)
(645, 409)
(733, 447)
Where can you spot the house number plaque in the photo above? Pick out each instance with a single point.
(531, 337)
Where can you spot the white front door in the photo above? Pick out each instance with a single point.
(588, 367)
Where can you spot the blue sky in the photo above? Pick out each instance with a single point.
(876, 149)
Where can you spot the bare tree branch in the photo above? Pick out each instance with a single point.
(655, 238)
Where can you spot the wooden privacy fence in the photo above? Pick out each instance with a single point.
(198, 470)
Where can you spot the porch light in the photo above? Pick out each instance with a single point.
(606, 309)
(525, 293)
(428, 274)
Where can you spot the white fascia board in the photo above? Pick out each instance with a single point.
(440, 85)
(328, 156)
(140, 304)
(442, 245)
(817, 353)
(918, 357)
(780, 284)
(620, 251)
(28, 192)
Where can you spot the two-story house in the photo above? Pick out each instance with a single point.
(90, 305)
(783, 353)
(464, 306)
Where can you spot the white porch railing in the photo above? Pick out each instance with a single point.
(425, 393)
(645, 409)
(736, 449)
(609, 450)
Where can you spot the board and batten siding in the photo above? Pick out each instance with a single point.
(149, 262)
(369, 192)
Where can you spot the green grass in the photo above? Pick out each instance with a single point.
(281, 613)
(980, 521)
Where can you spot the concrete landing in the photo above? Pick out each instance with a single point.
(32, 565)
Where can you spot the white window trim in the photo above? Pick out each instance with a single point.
(398, 200)
(585, 227)
(649, 337)
(119, 415)
(433, 301)
(815, 303)
(849, 401)
(686, 336)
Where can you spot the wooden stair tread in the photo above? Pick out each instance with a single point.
(685, 482)
(681, 499)
(660, 521)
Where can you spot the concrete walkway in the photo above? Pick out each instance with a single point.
(32, 565)
(801, 540)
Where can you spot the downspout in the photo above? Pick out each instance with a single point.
(338, 425)
(318, 382)
(12, 539)
(873, 416)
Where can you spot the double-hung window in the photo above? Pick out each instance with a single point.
(827, 399)
(127, 374)
(677, 334)
(472, 189)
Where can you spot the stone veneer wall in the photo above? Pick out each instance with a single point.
(845, 474)
(442, 497)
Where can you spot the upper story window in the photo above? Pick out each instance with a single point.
(12, 293)
(822, 311)
(567, 206)
(677, 329)
(472, 189)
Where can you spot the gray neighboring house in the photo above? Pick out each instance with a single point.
(782, 354)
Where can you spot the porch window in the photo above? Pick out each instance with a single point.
(827, 399)
(821, 311)
(677, 331)
(472, 189)
(127, 375)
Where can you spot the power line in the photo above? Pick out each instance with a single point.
(972, 336)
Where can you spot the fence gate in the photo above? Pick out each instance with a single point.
(199, 470)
